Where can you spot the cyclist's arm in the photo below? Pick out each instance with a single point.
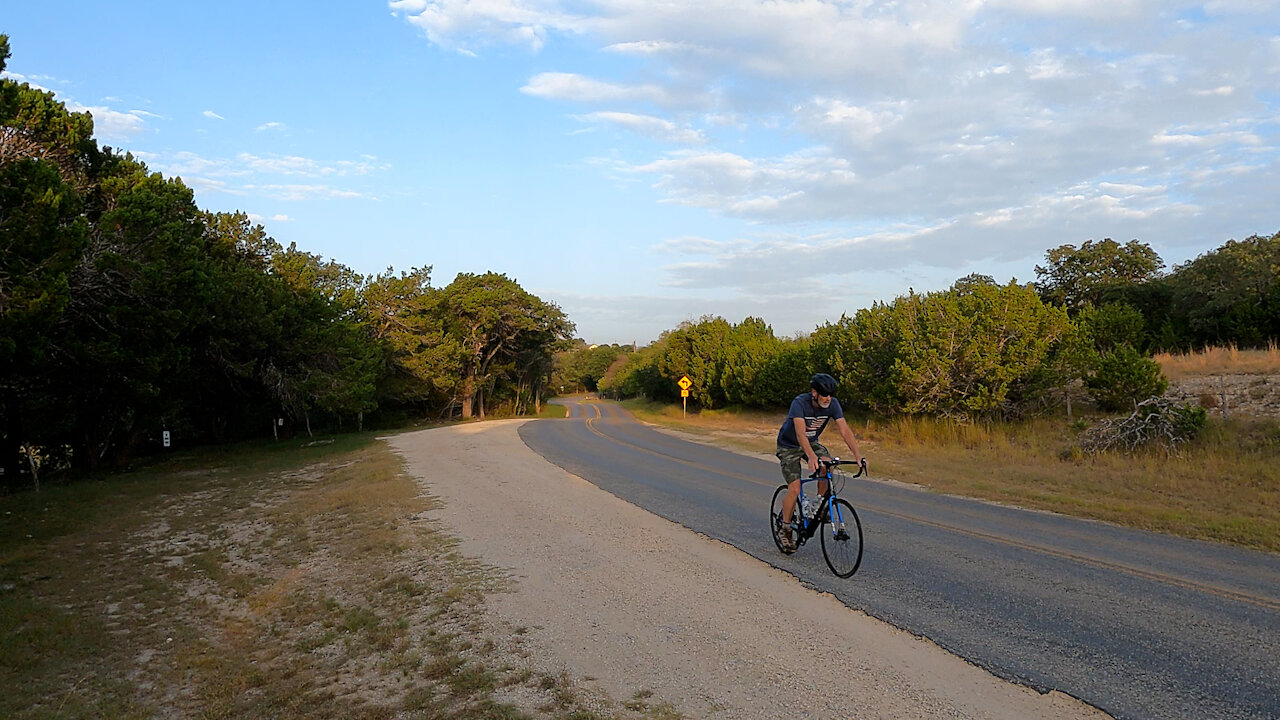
(803, 439)
(847, 434)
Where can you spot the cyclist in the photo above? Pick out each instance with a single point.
(798, 443)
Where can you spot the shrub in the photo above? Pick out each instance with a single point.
(1189, 421)
(1114, 324)
(1124, 376)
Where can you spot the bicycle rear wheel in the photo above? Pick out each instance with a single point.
(842, 539)
(775, 514)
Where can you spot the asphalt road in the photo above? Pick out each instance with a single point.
(1138, 624)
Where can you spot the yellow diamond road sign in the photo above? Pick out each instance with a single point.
(684, 382)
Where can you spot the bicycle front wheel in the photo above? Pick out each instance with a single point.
(842, 539)
(775, 515)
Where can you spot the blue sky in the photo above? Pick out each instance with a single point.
(641, 164)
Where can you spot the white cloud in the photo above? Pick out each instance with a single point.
(1046, 64)
(285, 165)
(272, 126)
(206, 184)
(579, 88)
(649, 126)
(860, 125)
(308, 167)
(37, 82)
(654, 47)
(213, 115)
(246, 174)
(1194, 138)
(783, 189)
(463, 24)
(274, 218)
(188, 165)
(294, 192)
(940, 250)
(1091, 9)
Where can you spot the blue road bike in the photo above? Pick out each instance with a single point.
(830, 517)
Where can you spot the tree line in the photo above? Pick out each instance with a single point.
(126, 311)
(980, 349)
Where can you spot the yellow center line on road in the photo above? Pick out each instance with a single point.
(1212, 589)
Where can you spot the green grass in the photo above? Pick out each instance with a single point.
(553, 411)
(284, 580)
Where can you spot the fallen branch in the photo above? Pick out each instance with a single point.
(1154, 421)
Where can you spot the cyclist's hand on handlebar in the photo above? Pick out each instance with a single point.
(813, 464)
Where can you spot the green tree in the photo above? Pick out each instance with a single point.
(861, 351)
(606, 383)
(639, 375)
(492, 320)
(238, 336)
(782, 375)
(1124, 377)
(1074, 277)
(140, 291)
(584, 367)
(979, 350)
(1113, 324)
(973, 281)
(44, 153)
(328, 360)
(970, 352)
(698, 350)
(42, 235)
(1228, 295)
(750, 347)
(424, 363)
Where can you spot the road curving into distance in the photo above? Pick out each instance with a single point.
(1138, 624)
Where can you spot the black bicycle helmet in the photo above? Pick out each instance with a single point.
(823, 383)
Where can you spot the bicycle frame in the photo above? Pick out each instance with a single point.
(805, 526)
(808, 527)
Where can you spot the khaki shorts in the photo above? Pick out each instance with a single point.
(793, 459)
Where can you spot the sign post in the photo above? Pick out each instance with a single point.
(685, 383)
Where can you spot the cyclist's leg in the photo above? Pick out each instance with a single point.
(822, 452)
(790, 501)
(790, 459)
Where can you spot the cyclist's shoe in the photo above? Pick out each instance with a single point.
(784, 539)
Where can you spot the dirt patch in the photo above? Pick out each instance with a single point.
(650, 609)
(326, 590)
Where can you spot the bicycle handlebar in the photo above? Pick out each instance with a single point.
(828, 463)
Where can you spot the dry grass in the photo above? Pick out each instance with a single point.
(1220, 361)
(1225, 486)
(299, 582)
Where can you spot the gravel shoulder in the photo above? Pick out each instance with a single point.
(636, 604)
